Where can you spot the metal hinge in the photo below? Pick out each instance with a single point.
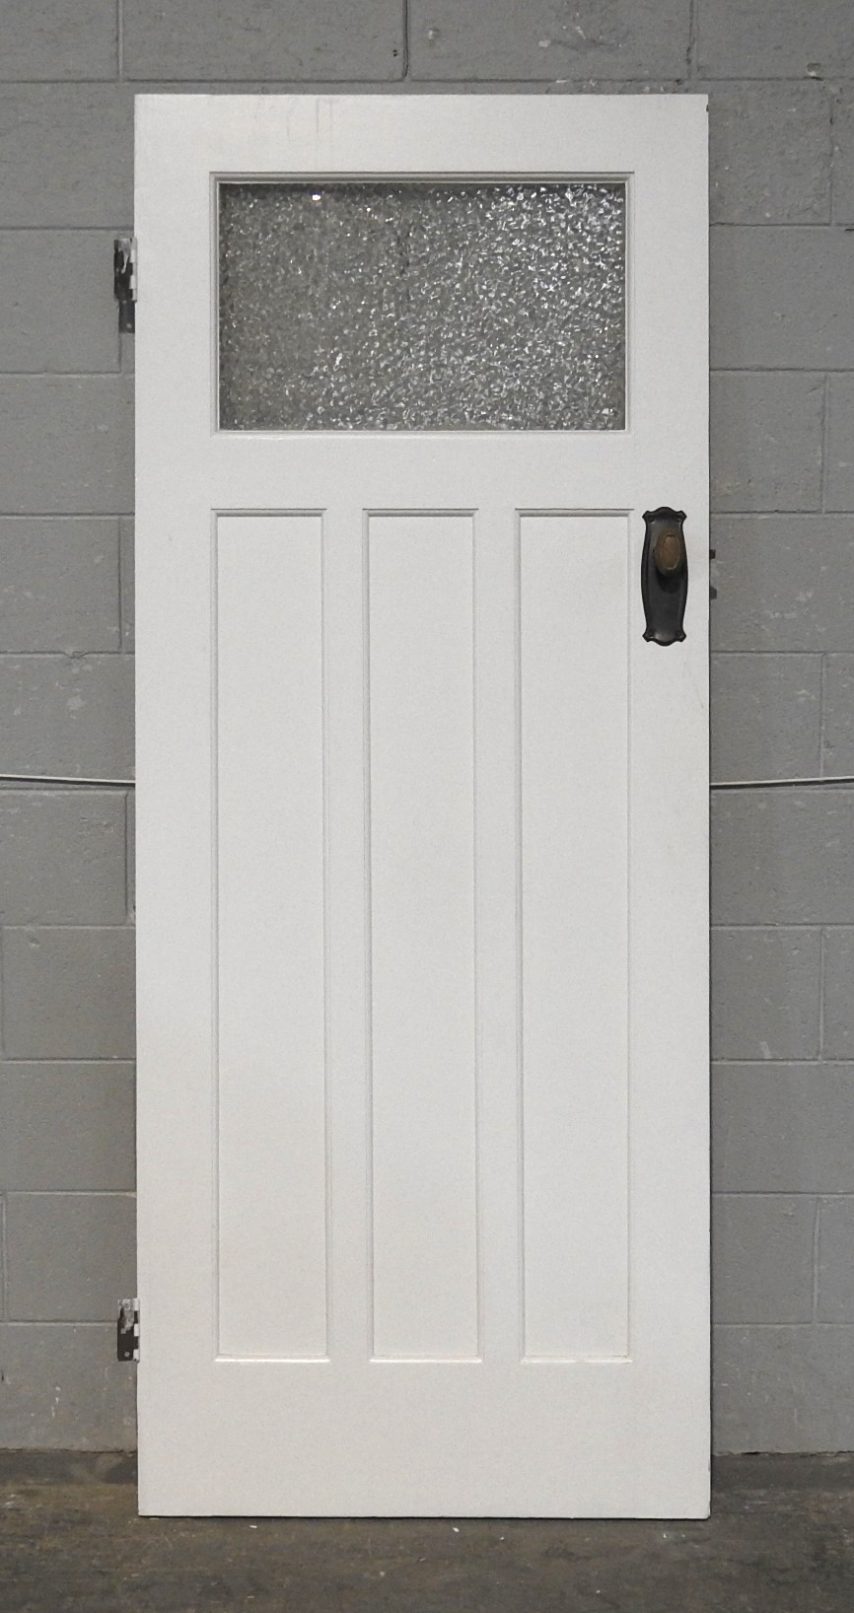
(127, 1330)
(124, 280)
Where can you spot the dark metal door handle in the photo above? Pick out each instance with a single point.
(664, 575)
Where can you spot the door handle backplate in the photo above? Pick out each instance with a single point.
(664, 575)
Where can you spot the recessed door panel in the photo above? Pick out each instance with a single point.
(574, 732)
(271, 1170)
(420, 627)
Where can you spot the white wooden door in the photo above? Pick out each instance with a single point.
(422, 815)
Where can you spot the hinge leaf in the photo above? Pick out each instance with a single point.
(124, 280)
(127, 1330)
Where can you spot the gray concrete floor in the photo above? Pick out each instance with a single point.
(781, 1538)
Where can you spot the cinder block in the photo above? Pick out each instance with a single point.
(783, 1128)
(783, 857)
(46, 40)
(765, 716)
(61, 1387)
(66, 444)
(63, 716)
(499, 39)
(765, 993)
(843, 156)
(835, 1262)
(838, 715)
(57, 310)
(208, 39)
(766, 434)
(67, 1126)
(783, 1388)
(59, 584)
(839, 994)
(762, 1246)
(840, 449)
(62, 857)
(127, 570)
(768, 40)
(785, 582)
(750, 125)
(70, 1255)
(68, 993)
(66, 155)
(782, 297)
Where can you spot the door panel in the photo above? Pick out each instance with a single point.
(421, 873)
(271, 969)
(573, 768)
(422, 820)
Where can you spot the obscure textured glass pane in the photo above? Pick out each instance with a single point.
(422, 306)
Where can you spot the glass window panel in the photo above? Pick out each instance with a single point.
(422, 306)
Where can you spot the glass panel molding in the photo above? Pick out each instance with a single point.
(422, 307)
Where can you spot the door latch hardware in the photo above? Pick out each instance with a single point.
(127, 1330)
(124, 280)
(664, 575)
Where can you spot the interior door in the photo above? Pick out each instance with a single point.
(422, 812)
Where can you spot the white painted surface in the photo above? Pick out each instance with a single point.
(422, 864)
(271, 984)
(422, 1012)
(573, 756)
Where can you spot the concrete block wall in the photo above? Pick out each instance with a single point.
(781, 81)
